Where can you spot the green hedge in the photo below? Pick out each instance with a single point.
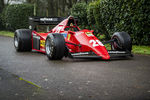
(126, 15)
(79, 10)
(16, 16)
(90, 17)
(132, 16)
(1, 26)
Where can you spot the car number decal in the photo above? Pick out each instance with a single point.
(95, 43)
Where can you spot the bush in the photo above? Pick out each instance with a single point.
(79, 10)
(90, 17)
(131, 16)
(16, 16)
(101, 26)
(1, 25)
(109, 16)
(127, 15)
(90, 13)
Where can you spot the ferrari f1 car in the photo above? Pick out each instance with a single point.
(66, 39)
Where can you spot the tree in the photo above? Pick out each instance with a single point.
(54, 7)
(1, 5)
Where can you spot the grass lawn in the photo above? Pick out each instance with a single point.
(7, 33)
(135, 49)
(141, 49)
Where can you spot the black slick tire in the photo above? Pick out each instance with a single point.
(22, 40)
(122, 42)
(55, 46)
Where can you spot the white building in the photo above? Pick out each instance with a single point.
(14, 1)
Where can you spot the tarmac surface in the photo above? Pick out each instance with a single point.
(31, 76)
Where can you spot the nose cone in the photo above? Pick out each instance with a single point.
(106, 57)
(101, 51)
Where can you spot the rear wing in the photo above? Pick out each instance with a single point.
(34, 21)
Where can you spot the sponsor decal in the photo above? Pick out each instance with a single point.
(64, 34)
(89, 34)
(48, 19)
(80, 53)
(117, 52)
(69, 36)
(42, 43)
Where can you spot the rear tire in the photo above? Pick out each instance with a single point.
(22, 40)
(55, 46)
(122, 42)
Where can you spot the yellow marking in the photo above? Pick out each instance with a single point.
(89, 34)
(69, 36)
(42, 43)
(20, 78)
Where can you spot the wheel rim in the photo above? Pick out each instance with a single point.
(112, 46)
(16, 42)
(48, 47)
(116, 45)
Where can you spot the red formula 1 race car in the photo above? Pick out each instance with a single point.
(67, 40)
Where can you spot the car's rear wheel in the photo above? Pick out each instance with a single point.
(55, 46)
(22, 40)
(122, 42)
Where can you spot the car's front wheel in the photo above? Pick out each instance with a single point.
(55, 46)
(122, 42)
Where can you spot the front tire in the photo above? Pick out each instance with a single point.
(122, 42)
(55, 46)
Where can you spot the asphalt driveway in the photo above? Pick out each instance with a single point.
(68, 79)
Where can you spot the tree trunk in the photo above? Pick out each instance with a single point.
(63, 3)
(70, 3)
(2, 5)
(51, 10)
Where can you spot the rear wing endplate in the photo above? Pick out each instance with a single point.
(33, 21)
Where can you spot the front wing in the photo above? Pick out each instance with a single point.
(92, 55)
